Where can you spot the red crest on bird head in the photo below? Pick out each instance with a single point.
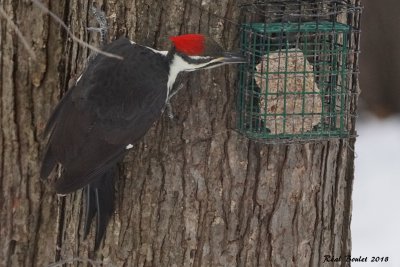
(189, 44)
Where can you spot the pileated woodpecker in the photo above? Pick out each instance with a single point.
(110, 108)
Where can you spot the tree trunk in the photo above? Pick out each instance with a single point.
(193, 192)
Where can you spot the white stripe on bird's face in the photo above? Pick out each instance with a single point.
(179, 64)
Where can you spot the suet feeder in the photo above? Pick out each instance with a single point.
(296, 85)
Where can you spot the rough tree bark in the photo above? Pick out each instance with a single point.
(193, 192)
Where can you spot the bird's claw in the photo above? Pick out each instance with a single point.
(101, 19)
(170, 113)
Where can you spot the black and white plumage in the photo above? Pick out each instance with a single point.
(110, 108)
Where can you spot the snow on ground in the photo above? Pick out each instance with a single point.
(375, 223)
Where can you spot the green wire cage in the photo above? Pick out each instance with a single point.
(296, 83)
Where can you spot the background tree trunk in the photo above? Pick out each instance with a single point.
(193, 192)
(380, 57)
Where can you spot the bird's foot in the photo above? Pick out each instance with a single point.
(170, 113)
(168, 103)
(101, 19)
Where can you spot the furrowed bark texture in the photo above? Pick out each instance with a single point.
(193, 192)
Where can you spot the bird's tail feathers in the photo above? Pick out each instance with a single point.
(99, 199)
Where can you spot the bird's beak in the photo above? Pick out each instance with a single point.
(227, 58)
(233, 57)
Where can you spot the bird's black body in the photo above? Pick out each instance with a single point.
(104, 112)
(110, 108)
(113, 105)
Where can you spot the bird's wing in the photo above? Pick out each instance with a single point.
(78, 143)
(103, 113)
(129, 95)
